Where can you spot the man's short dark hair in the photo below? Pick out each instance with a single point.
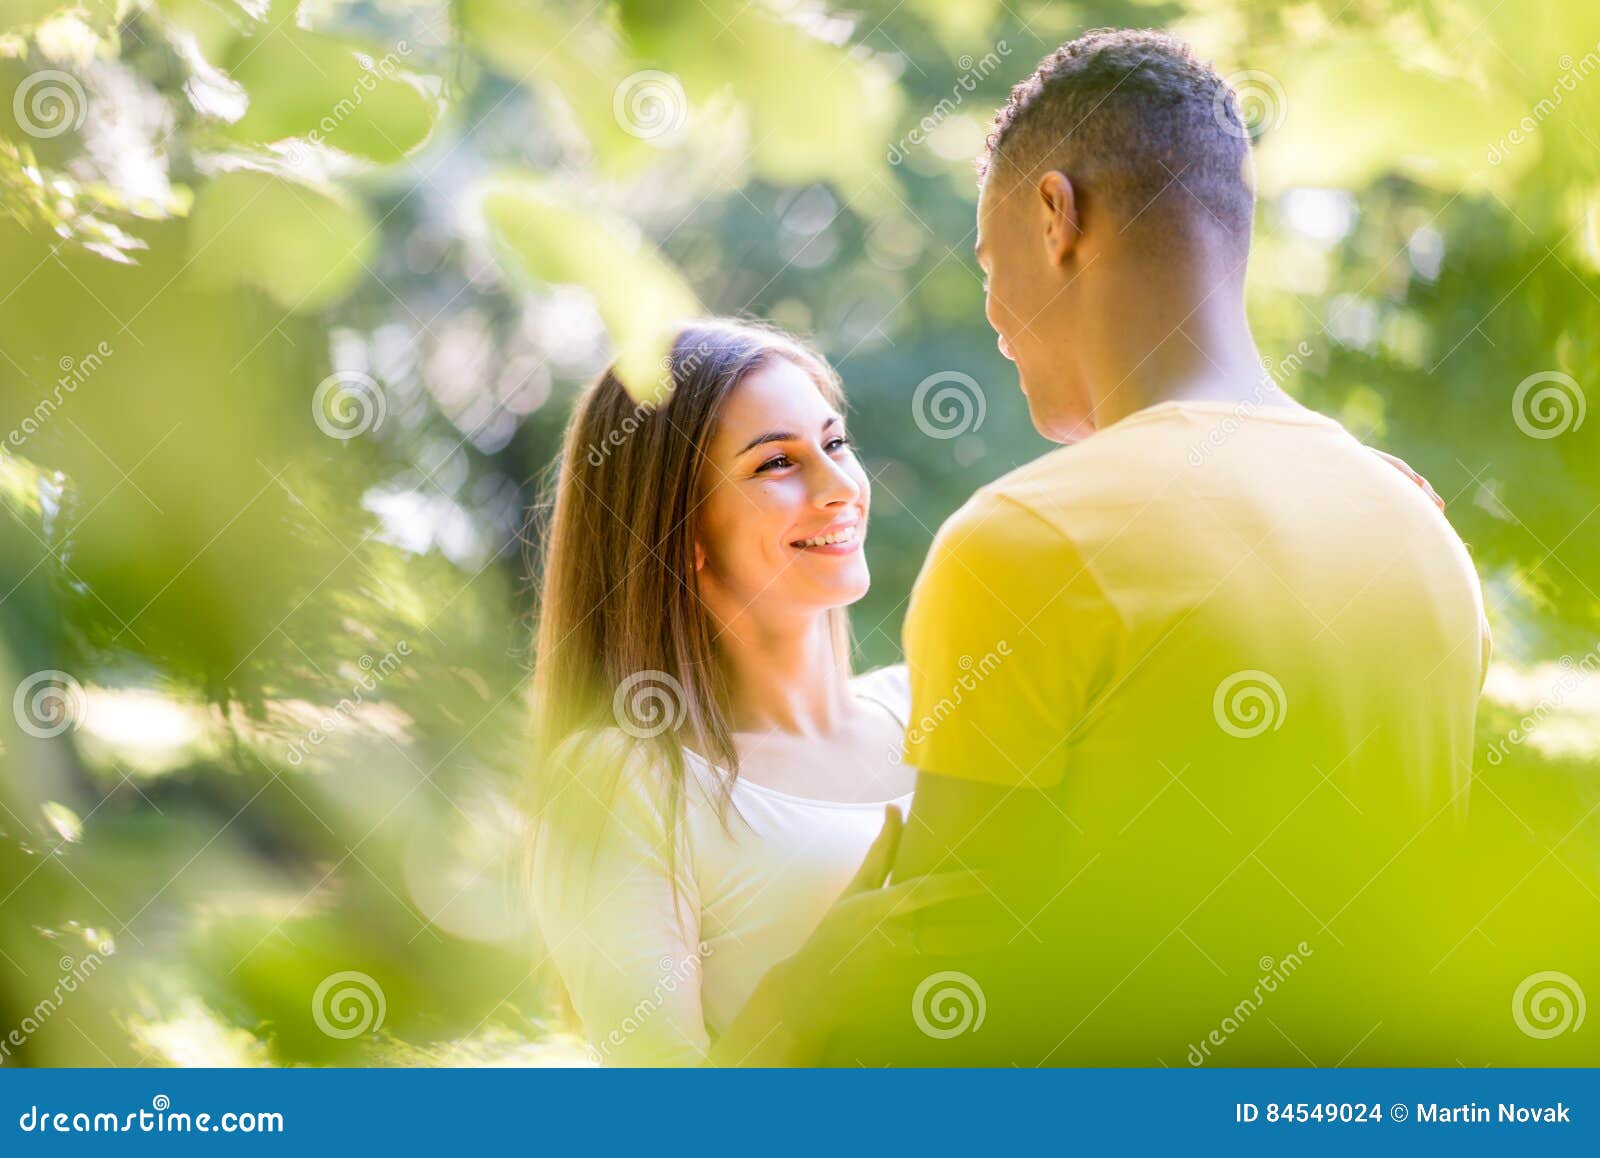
(1133, 117)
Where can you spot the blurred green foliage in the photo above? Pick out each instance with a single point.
(298, 295)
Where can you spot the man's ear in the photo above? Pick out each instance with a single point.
(1059, 204)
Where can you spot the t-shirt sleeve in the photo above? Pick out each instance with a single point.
(625, 944)
(1007, 638)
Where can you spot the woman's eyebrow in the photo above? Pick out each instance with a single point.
(781, 435)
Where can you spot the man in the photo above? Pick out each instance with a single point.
(1196, 689)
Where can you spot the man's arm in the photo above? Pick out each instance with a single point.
(961, 823)
(1006, 629)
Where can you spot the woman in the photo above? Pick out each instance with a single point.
(714, 778)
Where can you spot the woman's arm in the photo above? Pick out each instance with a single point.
(623, 932)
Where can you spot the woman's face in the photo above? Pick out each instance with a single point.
(779, 476)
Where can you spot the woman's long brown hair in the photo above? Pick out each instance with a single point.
(625, 652)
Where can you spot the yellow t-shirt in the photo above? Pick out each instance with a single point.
(1240, 655)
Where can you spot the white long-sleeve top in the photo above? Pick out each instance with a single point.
(654, 976)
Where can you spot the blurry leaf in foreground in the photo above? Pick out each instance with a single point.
(578, 61)
(818, 110)
(18, 14)
(545, 238)
(195, 1035)
(302, 84)
(67, 31)
(304, 247)
(1348, 112)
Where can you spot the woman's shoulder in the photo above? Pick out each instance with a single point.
(632, 780)
(600, 777)
(889, 686)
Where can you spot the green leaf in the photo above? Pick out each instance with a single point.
(304, 84)
(684, 75)
(1349, 111)
(960, 28)
(16, 15)
(545, 237)
(581, 65)
(304, 247)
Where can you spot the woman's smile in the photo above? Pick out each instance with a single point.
(844, 539)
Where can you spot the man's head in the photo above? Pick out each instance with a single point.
(1119, 169)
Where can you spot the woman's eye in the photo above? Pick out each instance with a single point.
(776, 461)
(836, 443)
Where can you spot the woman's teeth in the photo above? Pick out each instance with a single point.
(843, 536)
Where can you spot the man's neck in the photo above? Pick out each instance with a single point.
(1207, 355)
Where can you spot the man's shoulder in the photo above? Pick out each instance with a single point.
(1037, 501)
(1007, 515)
(1013, 539)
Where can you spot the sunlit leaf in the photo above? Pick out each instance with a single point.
(212, 29)
(1345, 112)
(581, 62)
(304, 247)
(63, 821)
(818, 111)
(547, 237)
(304, 84)
(811, 110)
(100, 15)
(959, 27)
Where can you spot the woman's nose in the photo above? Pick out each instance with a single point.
(835, 485)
